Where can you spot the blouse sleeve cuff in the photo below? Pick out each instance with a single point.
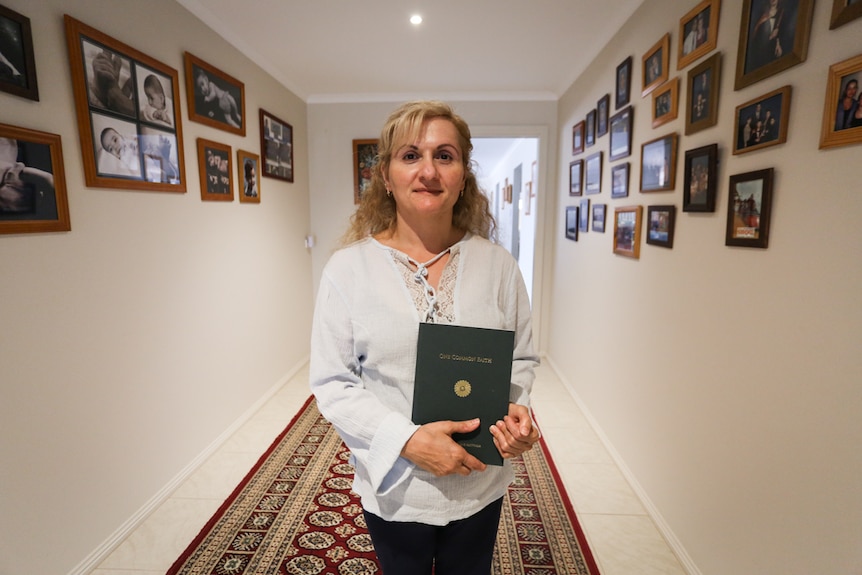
(386, 467)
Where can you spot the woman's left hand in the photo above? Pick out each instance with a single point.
(516, 433)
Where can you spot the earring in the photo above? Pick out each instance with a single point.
(462, 193)
(389, 193)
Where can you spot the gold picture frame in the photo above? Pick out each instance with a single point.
(843, 11)
(216, 172)
(248, 176)
(215, 98)
(654, 71)
(842, 129)
(665, 103)
(702, 91)
(698, 32)
(628, 221)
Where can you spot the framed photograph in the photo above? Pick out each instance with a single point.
(276, 147)
(584, 216)
(773, 36)
(762, 122)
(593, 173)
(215, 98)
(17, 60)
(627, 230)
(844, 11)
(660, 222)
(665, 103)
(248, 176)
(701, 179)
(655, 65)
(364, 157)
(658, 164)
(842, 112)
(572, 222)
(216, 171)
(698, 31)
(128, 113)
(748, 209)
(590, 128)
(578, 138)
(576, 177)
(602, 111)
(599, 211)
(621, 134)
(620, 180)
(623, 91)
(702, 108)
(33, 192)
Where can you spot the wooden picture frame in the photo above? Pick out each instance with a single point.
(698, 32)
(590, 128)
(844, 11)
(578, 137)
(654, 71)
(623, 85)
(593, 173)
(33, 198)
(248, 176)
(620, 180)
(665, 103)
(572, 221)
(702, 90)
(621, 123)
(599, 211)
(215, 165)
(364, 157)
(840, 128)
(576, 177)
(658, 164)
(584, 216)
(276, 147)
(602, 112)
(18, 67)
(763, 53)
(660, 225)
(214, 97)
(762, 122)
(627, 231)
(126, 142)
(749, 208)
(701, 179)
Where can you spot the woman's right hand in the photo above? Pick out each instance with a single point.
(433, 449)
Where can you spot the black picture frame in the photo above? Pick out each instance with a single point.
(701, 179)
(276, 147)
(620, 180)
(762, 122)
(749, 209)
(593, 173)
(572, 222)
(584, 216)
(660, 225)
(621, 134)
(590, 128)
(658, 164)
(703, 89)
(18, 63)
(576, 177)
(599, 215)
(214, 97)
(602, 112)
(623, 86)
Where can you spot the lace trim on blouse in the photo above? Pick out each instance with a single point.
(434, 306)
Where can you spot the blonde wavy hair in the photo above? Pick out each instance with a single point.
(376, 211)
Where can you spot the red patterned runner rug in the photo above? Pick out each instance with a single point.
(295, 514)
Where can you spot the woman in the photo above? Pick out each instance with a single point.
(847, 106)
(418, 251)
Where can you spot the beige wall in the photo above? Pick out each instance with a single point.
(727, 379)
(131, 343)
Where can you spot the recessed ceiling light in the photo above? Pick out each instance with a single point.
(416, 19)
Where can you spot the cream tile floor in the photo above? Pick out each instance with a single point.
(623, 538)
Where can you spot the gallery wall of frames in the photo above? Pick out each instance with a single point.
(772, 38)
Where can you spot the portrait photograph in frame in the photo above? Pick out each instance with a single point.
(215, 98)
(627, 231)
(748, 209)
(620, 180)
(572, 218)
(590, 128)
(762, 122)
(593, 173)
(602, 112)
(130, 132)
(578, 137)
(842, 110)
(698, 32)
(773, 36)
(18, 64)
(660, 225)
(216, 171)
(276, 147)
(599, 211)
(248, 176)
(584, 216)
(701, 179)
(702, 90)
(656, 60)
(34, 198)
(576, 177)
(623, 86)
(658, 164)
(621, 134)
(844, 11)
(665, 103)
(364, 156)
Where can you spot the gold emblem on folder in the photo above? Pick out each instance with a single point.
(463, 388)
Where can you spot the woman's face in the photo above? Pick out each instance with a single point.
(850, 90)
(426, 176)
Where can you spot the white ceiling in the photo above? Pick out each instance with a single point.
(351, 51)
